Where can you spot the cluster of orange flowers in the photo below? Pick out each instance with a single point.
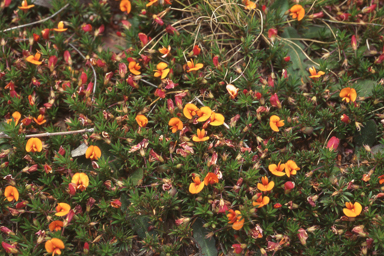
(16, 116)
(196, 186)
(204, 114)
(80, 181)
(297, 11)
(190, 111)
(35, 59)
(53, 245)
(289, 168)
(36, 145)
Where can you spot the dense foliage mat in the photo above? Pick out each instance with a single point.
(173, 127)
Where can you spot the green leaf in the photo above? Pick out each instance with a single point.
(295, 52)
(140, 225)
(137, 176)
(281, 5)
(367, 135)
(377, 149)
(124, 201)
(313, 31)
(365, 87)
(207, 244)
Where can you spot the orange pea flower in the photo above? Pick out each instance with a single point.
(151, 2)
(190, 110)
(352, 210)
(204, 113)
(291, 168)
(134, 67)
(277, 170)
(176, 124)
(235, 218)
(81, 181)
(211, 179)
(216, 119)
(16, 116)
(25, 6)
(194, 67)
(60, 27)
(314, 73)
(275, 123)
(232, 90)
(34, 59)
(297, 12)
(31, 100)
(265, 185)
(141, 120)
(162, 70)
(381, 179)
(125, 6)
(54, 246)
(196, 186)
(200, 136)
(55, 225)
(34, 145)
(11, 193)
(348, 94)
(62, 209)
(249, 5)
(93, 153)
(261, 201)
(40, 120)
(165, 51)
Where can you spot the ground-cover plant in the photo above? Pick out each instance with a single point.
(183, 128)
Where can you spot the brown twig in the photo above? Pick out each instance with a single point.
(49, 134)
(36, 22)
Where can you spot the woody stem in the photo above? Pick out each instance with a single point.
(36, 22)
(49, 134)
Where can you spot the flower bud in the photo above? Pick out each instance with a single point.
(275, 102)
(354, 43)
(333, 143)
(9, 248)
(288, 186)
(237, 248)
(52, 63)
(303, 236)
(72, 189)
(6, 231)
(86, 248)
(277, 206)
(369, 9)
(67, 58)
(215, 61)
(345, 119)
(316, 15)
(272, 32)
